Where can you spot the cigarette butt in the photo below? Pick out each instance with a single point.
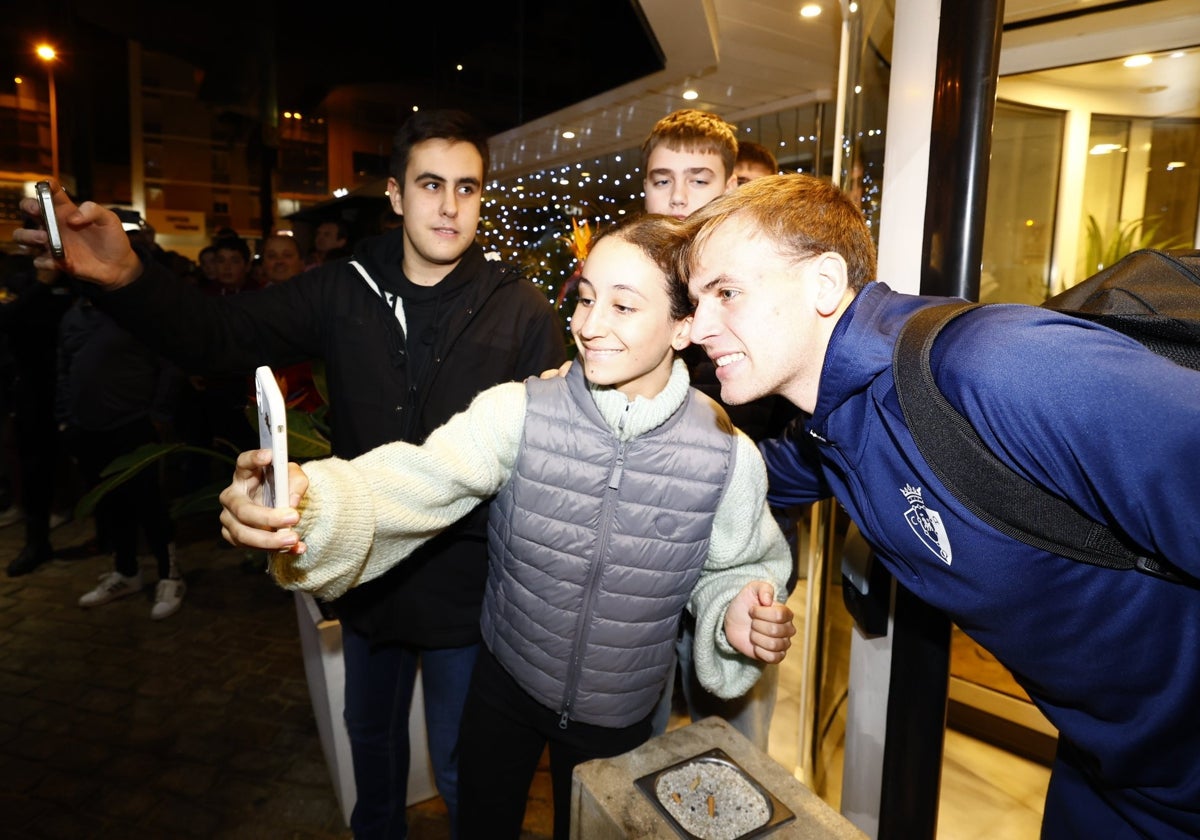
(712, 806)
(678, 799)
(696, 783)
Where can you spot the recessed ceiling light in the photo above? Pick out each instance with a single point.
(1138, 61)
(690, 94)
(568, 135)
(810, 10)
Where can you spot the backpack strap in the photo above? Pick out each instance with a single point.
(982, 482)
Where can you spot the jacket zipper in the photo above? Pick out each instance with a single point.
(610, 497)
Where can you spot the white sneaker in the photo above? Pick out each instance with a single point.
(113, 585)
(168, 597)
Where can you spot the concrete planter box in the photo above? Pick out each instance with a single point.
(607, 802)
(321, 644)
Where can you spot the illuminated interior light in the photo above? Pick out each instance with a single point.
(1138, 61)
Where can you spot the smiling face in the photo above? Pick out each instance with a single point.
(680, 183)
(281, 259)
(440, 202)
(622, 324)
(763, 317)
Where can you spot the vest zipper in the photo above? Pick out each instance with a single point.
(614, 478)
(589, 601)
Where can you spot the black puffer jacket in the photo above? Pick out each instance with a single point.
(493, 327)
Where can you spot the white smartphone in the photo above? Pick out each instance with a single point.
(272, 434)
(49, 219)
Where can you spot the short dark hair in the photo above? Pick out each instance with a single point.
(751, 152)
(234, 243)
(343, 227)
(445, 124)
(659, 239)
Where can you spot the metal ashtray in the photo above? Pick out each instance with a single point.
(710, 797)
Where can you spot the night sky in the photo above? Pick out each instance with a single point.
(521, 59)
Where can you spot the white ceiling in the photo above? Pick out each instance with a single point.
(751, 57)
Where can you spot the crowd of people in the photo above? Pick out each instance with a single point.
(547, 543)
(77, 391)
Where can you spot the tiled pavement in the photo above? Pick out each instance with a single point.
(115, 726)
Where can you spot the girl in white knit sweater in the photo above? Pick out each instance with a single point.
(621, 494)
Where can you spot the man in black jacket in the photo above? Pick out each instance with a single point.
(410, 328)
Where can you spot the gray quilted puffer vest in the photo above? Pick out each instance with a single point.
(595, 545)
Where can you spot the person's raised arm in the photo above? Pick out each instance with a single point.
(96, 247)
(357, 519)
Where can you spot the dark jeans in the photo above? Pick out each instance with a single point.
(504, 731)
(379, 689)
(36, 437)
(138, 503)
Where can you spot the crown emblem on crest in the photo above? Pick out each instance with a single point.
(913, 494)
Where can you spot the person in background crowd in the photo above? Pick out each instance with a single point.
(754, 160)
(330, 242)
(204, 276)
(233, 265)
(281, 258)
(30, 319)
(112, 397)
(281, 262)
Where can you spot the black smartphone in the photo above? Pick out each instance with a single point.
(49, 220)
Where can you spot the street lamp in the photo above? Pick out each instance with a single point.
(47, 54)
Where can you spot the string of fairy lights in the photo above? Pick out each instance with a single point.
(529, 218)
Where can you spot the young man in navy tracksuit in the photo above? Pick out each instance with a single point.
(782, 273)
